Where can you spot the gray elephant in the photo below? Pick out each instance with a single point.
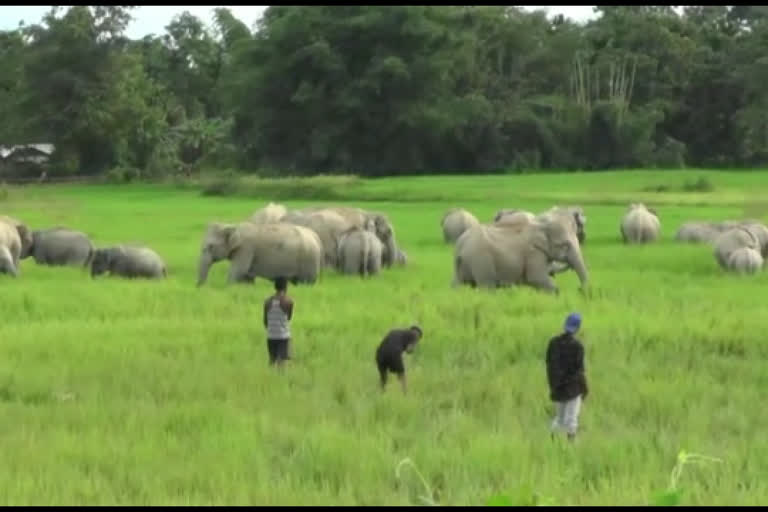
(369, 221)
(502, 255)
(513, 215)
(640, 225)
(61, 246)
(760, 231)
(128, 261)
(328, 225)
(574, 214)
(733, 239)
(360, 252)
(386, 233)
(262, 250)
(744, 261)
(271, 213)
(15, 244)
(696, 232)
(454, 222)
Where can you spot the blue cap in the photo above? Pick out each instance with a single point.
(573, 322)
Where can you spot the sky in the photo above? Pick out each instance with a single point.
(149, 19)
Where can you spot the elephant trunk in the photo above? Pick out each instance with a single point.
(205, 265)
(390, 251)
(576, 262)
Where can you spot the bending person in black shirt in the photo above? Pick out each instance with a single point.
(566, 376)
(389, 355)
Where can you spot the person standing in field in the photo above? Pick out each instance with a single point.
(278, 312)
(566, 376)
(389, 355)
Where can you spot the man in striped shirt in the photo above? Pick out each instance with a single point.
(278, 311)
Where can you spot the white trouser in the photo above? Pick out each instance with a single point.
(567, 415)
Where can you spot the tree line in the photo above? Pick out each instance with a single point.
(386, 90)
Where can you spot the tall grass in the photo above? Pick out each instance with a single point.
(118, 392)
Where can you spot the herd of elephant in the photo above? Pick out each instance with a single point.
(60, 246)
(517, 248)
(273, 242)
(522, 248)
(297, 244)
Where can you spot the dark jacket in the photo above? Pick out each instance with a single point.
(565, 368)
(394, 343)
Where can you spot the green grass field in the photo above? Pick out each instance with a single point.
(119, 392)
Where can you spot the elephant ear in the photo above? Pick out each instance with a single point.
(557, 233)
(26, 238)
(383, 227)
(232, 236)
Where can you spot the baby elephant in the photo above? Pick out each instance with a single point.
(360, 252)
(640, 224)
(744, 261)
(128, 262)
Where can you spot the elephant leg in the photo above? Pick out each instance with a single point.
(241, 268)
(537, 275)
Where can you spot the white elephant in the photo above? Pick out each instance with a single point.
(360, 252)
(640, 225)
(744, 261)
(454, 222)
(262, 250)
(503, 255)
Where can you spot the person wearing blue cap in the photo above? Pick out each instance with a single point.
(566, 376)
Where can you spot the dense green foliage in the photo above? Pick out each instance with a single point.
(135, 392)
(381, 90)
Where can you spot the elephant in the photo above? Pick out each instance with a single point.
(508, 215)
(262, 250)
(703, 231)
(15, 244)
(760, 231)
(735, 238)
(575, 216)
(271, 213)
(745, 261)
(640, 225)
(386, 233)
(360, 251)
(454, 222)
(60, 246)
(369, 221)
(328, 225)
(504, 255)
(128, 261)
